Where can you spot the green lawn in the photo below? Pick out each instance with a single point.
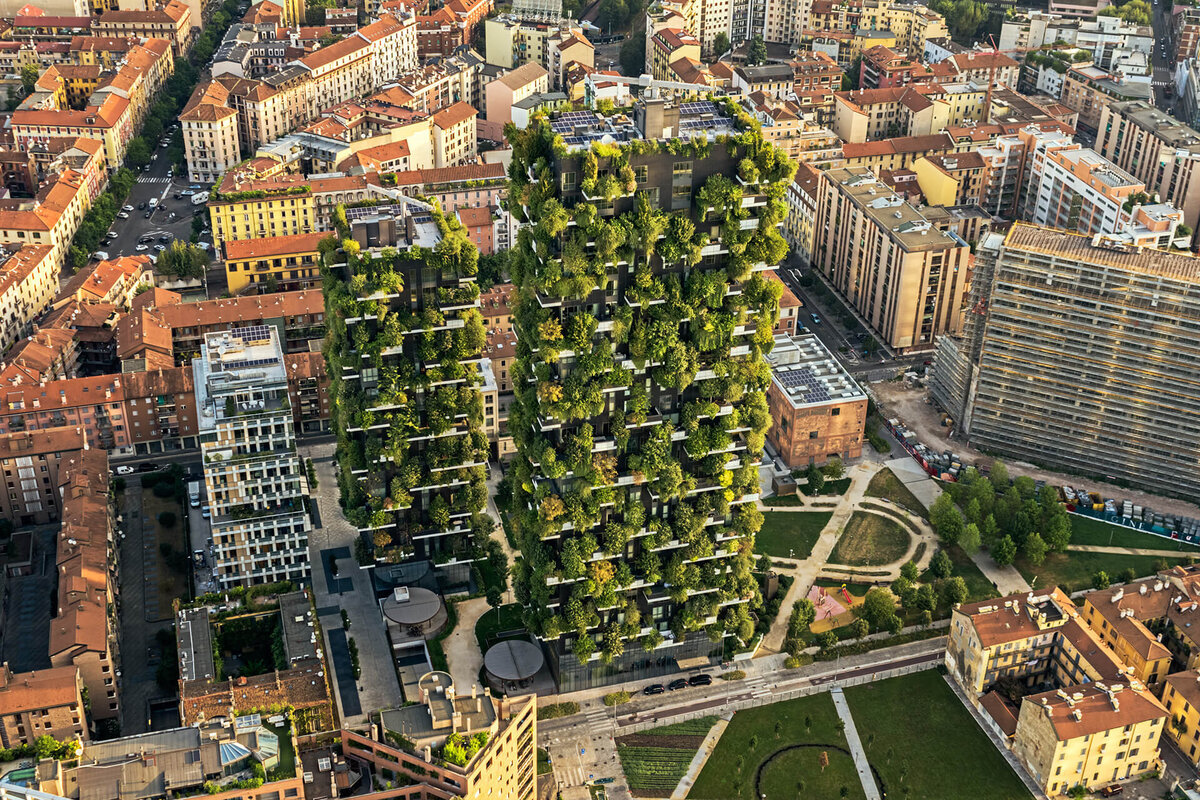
(885, 484)
(1085, 530)
(829, 488)
(911, 725)
(786, 531)
(978, 586)
(543, 762)
(870, 540)
(783, 500)
(489, 625)
(756, 734)
(286, 768)
(655, 761)
(1074, 570)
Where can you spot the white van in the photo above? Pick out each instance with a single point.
(153, 202)
(100, 255)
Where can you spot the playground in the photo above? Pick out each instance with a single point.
(834, 606)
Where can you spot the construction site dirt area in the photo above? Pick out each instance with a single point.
(912, 407)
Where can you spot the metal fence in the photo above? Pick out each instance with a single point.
(777, 697)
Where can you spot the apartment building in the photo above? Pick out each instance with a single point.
(905, 277)
(667, 46)
(210, 133)
(286, 263)
(83, 631)
(505, 766)
(253, 475)
(454, 135)
(160, 406)
(920, 109)
(1120, 617)
(263, 209)
(1157, 150)
(815, 77)
(817, 410)
(51, 218)
(33, 461)
(1088, 89)
(1098, 391)
(28, 282)
(1181, 697)
(45, 702)
(913, 24)
(511, 87)
(951, 180)
(982, 68)
(1092, 735)
(512, 41)
(898, 153)
(114, 282)
(1184, 34)
(884, 68)
(1078, 190)
(94, 404)
(801, 198)
(173, 22)
(568, 50)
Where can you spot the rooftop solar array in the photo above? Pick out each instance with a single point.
(250, 362)
(572, 119)
(704, 124)
(254, 333)
(699, 107)
(802, 384)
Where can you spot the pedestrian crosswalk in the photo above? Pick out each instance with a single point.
(758, 686)
(597, 717)
(154, 179)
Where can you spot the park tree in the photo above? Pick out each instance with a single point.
(816, 479)
(137, 153)
(903, 588)
(1100, 580)
(946, 519)
(989, 530)
(926, 599)
(999, 475)
(877, 608)
(910, 570)
(859, 628)
(29, 76)
(834, 469)
(941, 565)
(757, 52)
(1035, 549)
(971, 538)
(954, 591)
(1004, 552)
(973, 511)
(633, 56)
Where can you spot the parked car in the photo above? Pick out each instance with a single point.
(148, 214)
(1112, 790)
(142, 206)
(195, 186)
(165, 238)
(123, 215)
(127, 208)
(146, 240)
(141, 248)
(160, 247)
(187, 193)
(204, 512)
(700, 680)
(816, 320)
(654, 688)
(147, 466)
(124, 470)
(678, 683)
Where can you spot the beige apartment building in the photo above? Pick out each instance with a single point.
(1158, 150)
(906, 278)
(1094, 735)
(172, 22)
(45, 702)
(210, 133)
(28, 282)
(454, 137)
(1088, 89)
(511, 87)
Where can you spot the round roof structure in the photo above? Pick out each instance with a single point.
(411, 605)
(513, 660)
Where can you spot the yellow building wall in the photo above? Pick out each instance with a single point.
(939, 188)
(261, 218)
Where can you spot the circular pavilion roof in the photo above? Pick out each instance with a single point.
(513, 660)
(420, 607)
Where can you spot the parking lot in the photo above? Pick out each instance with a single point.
(170, 219)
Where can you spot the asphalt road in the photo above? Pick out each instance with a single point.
(876, 367)
(1164, 66)
(156, 184)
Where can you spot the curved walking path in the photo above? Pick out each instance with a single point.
(806, 572)
(462, 649)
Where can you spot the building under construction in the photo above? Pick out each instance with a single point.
(1079, 353)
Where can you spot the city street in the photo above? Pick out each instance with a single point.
(1163, 66)
(878, 366)
(156, 184)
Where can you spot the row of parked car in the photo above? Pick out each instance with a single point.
(679, 683)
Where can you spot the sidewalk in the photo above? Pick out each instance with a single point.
(700, 759)
(1001, 745)
(856, 749)
(1132, 551)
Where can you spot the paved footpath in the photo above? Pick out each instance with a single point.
(1132, 551)
(856, 749)
(700, 759)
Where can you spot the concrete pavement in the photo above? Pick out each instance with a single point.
(1131, 551)
(462, 650)
(350, 590)
(861, 765)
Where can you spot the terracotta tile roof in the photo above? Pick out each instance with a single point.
(177, 381)
(243, 309)
(385, 26)
(466, 172)
(496, 302)
(1096, 712)
(788, 299)
(996, 624)
(523, 75)
(142, 332)
(1127, 608)
(901, 144)
(1186, 684)
(1098, 655)
(18, 266)
(456, 114)
(343, 49)
(275, 246)
(155, 298)
(303, 686)
(474, 217)
(999, 710)
(42, 355)
(78, 316)
(42, 689)
(98, 282)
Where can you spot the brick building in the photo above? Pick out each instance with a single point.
(40, 703)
